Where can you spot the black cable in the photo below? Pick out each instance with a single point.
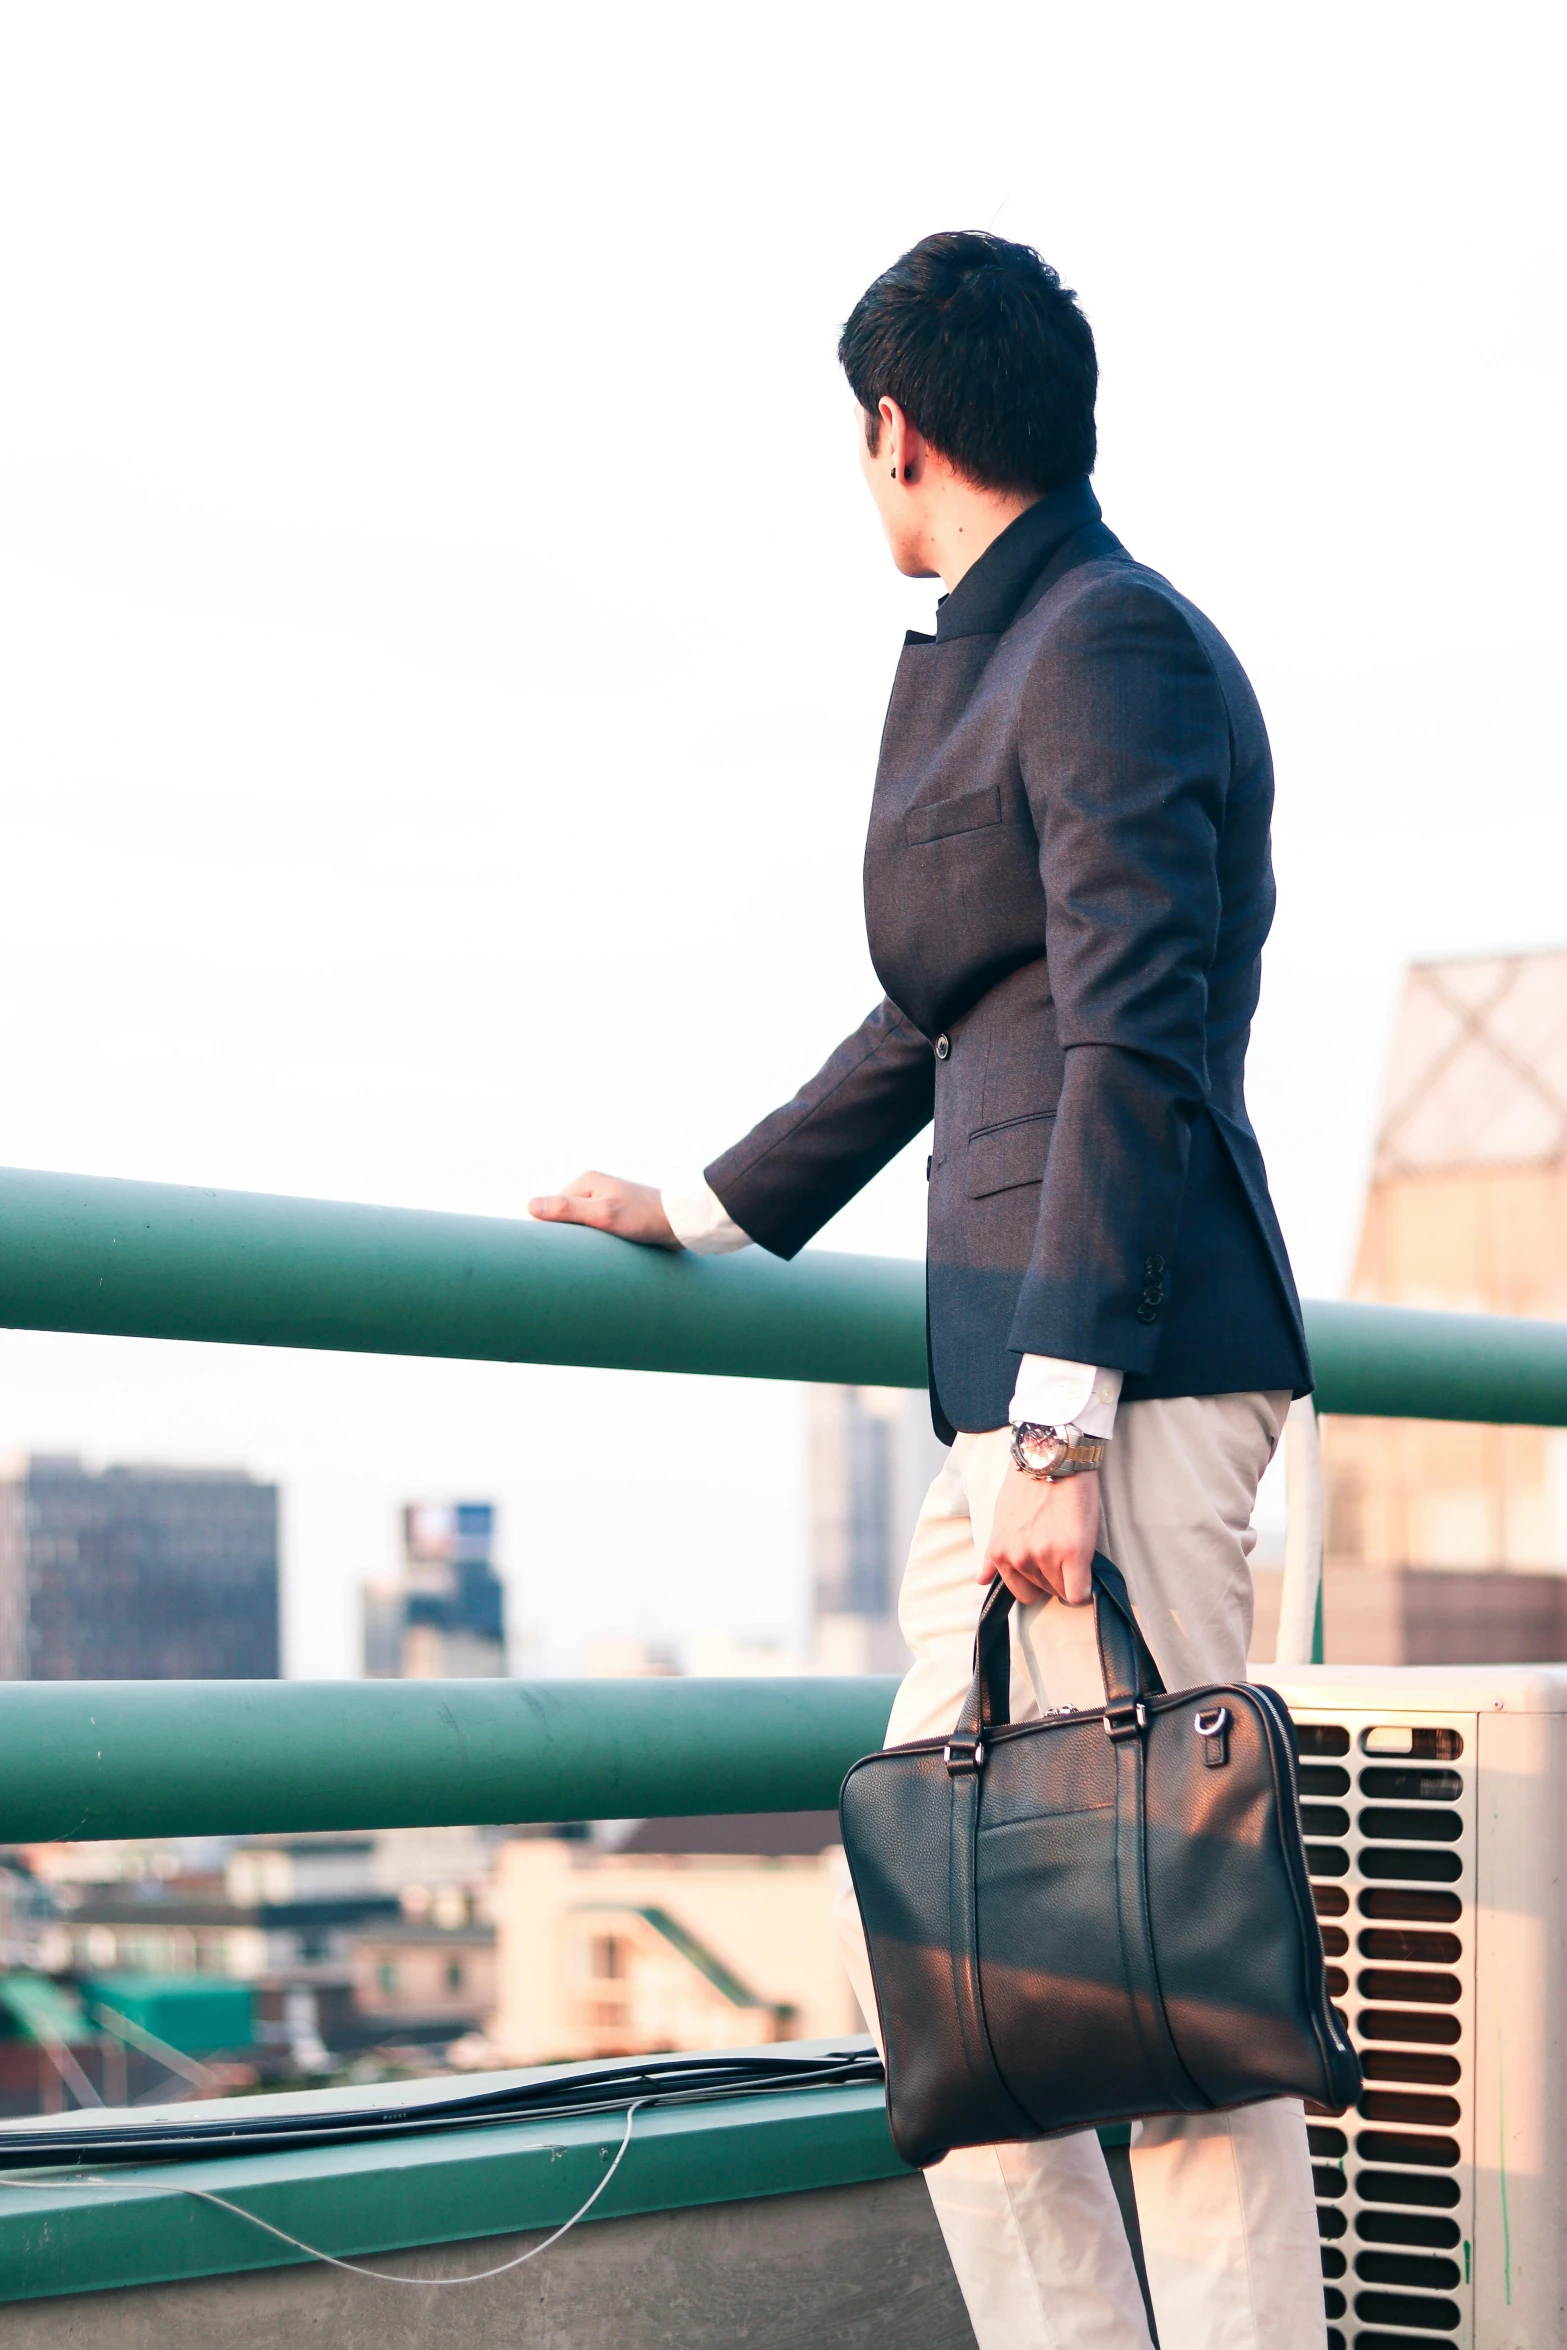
(671, 2080)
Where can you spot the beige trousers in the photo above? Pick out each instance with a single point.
(1224, 2200)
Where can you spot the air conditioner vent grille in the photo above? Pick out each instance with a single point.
(1376, 1982)
(1395, 2182)
(1382, 1824)
(1412, 1786)
(1410, 1945)
(1423, 1867)
(1409, 2064)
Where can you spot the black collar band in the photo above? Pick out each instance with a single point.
(988, 597)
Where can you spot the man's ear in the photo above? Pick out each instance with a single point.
(901, 443)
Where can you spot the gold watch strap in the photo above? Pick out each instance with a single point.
(1081, 1453)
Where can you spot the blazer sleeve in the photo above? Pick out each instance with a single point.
(799, 1166)
(1125, 751)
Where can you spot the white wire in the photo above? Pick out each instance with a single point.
(380, 2276)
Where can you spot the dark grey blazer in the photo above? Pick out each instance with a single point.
(1067, 889)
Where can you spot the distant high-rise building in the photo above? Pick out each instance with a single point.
(136, 1574)
(443, 1618)
(1466, 1209)
(873, 1454)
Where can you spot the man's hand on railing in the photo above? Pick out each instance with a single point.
(632, 1211)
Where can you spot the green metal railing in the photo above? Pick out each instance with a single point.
(164, 1260)
(83, 1759)
(80, 1253)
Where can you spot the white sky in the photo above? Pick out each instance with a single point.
(443, 636)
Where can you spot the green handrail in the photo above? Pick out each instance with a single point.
(86, 1759)
(1408, 1363)
(164, 1260)
(158, 1260)
(148, 1260)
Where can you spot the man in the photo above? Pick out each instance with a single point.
(1067, 890)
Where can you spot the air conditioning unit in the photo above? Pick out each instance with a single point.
(1435, 1812)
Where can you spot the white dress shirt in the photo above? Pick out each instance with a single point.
(1049, 1392)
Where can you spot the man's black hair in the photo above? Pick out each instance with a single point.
(987, 352)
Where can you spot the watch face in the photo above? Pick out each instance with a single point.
(1040, 1448)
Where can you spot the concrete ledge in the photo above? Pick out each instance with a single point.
(452, 2187)
(859, 2267)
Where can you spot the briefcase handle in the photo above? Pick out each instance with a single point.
(1124, 1658)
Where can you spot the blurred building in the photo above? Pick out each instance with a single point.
(873, 1454)
(626, 1656)
(428, 1975)
(443, 1618)
(134, 1574)
(714, 1652)
(340, 1942)
(66, 2043)
(1463, 1527)
(689, 1933)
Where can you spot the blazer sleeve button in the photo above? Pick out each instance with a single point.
(1147, 1313)
(943, 1046)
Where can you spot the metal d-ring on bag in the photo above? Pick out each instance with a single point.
(1094, 1916)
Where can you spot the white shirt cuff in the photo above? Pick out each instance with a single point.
(1051, 1392)
(699, 1220)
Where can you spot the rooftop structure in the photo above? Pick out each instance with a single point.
(1467, 1210)
(1477, 1078)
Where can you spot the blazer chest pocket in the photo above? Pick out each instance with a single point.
(1000, 1158)
(971, 811)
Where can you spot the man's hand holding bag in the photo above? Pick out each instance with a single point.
(1094, 1916)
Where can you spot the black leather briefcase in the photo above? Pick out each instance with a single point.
(1094, 1916)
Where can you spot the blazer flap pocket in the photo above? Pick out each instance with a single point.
(971, 811)
(1001, 1157)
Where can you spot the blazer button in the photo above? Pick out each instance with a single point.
(1147, 1313)
(943, 1046)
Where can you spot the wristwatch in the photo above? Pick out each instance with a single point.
(1053, 1453)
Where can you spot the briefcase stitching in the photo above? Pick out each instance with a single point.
(1165, 2056)
(973, 2023)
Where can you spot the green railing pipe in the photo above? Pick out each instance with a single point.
(1403, 1363)
(158, 1260)
(163, 1260)
(85, 1759)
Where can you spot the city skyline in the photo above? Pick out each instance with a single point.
(323, 886)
